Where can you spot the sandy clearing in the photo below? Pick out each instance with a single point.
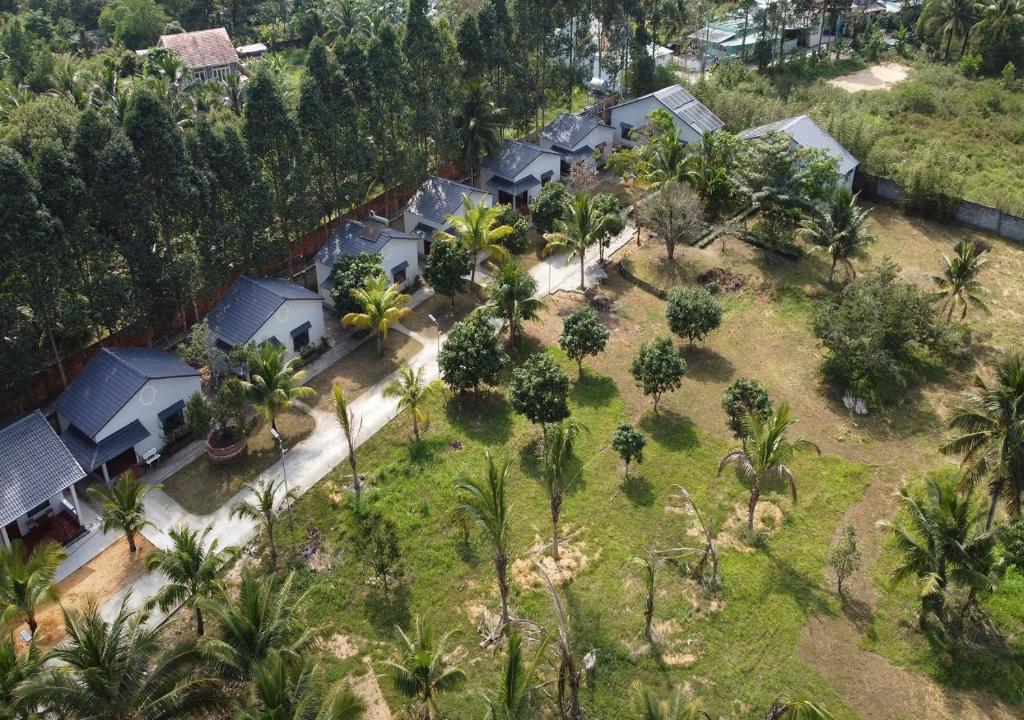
(367, 687)
(876, 77)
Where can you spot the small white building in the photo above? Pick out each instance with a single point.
(438, 200)
(692, 119)
(398, 250)
(38, 500)
(806, 133)
(123, 406)
(208, 54)
(576, 138)
(259, 310)
(519, 170)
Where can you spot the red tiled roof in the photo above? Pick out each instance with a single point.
(202, 48)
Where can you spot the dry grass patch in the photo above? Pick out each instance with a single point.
(877, 77)
(362, 368)
(572, 560)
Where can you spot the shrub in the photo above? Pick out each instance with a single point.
(1008, 75)
(745, 397)
(518, 242)
(970, 65)
(198, 416)
(1011, 540)
(447, 266)
(629, 443)
(874, 46)
(351, 272)
(917, 97)
(583, 334)
(539, 390)
(844, 557)
(692, 312)
(549, 207)
(931, 187)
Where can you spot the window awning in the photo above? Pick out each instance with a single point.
(399, 267)
(513, 188)
(301, 329)
(90, 455)
(172, 410)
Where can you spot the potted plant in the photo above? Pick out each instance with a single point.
(227, 437)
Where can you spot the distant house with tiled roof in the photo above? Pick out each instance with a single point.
(691, 118)
(123, 406)
(806, 133)
(575, 138)
(259, 310)
(434, 203)
(208, 54)
(519, 170)
(399, 251)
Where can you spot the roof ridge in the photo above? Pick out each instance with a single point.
(125, 363)
(20, 419)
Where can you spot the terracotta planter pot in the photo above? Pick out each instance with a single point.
(220, 451)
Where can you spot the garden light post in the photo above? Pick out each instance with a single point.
(438, 326)
(284, 467)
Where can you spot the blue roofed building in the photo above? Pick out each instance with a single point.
(259, 310)
(123, 407)
(518, 171)
(805, 133)
(434, 203)
(691, 118)
(576, 138)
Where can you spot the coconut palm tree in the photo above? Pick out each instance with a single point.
(477, 230)
(264, 508)
(285, 689)
(569, 671)
(1000, 17)
(479, 127)
(664, 157)
(512, 701)
(27, 580)
(646, 569)
(192, 569)
(511, 297)
(419, 669)
(838, 229)
(991, 439)
(122, 506)
(347, 420)
(958, 284)
(582, 226)
(953, 17)
(787, 709)
(16, 669)
(558, 455)
(383, 305)
(122, 669)
(766, 454)
(264, 616)
(674, 707)
(274, 383)
(411, 390)
(484, 500)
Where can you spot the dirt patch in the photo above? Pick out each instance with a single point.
(721, 280)
(98, 580)
(573, 560)
(367, 687)
(876, 77)
(342, 647)
(362, 368)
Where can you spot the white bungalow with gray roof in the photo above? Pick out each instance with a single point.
(806, 133)
(434, 203)
(38, 500)
(519, 170)
(576, 138)
(691, 118)
(120, 410)
(259, 310)
(399, 251)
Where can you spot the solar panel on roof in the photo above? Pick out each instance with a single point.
(698, 116)
(677, 98)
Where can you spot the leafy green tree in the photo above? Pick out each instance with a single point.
(844, 557)
(274, 383)
(549, 207)
(581, 226)
(412, 391)
(136, 23)
(658, 368)
(692, 312)
(192, 568)
(122, 506)
(264, 508)
(471, 354)
(518, 241)
(381, 305)
(766, 454)
(447, 266)
(539, 390)
(350, 273)
(286, 689)
(583, 334)
(479, 125)
(629, 444)
(608, 206)
(958, 284)
(745, 397)
(28, 580)
(558, 455)
(378, 545)
(838, 229)
(478, 230)
(511, 296)
(419, 668)
(674, 214)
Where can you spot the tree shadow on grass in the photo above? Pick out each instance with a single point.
(386, 610)
(638, 490)
(703, 363)
(807, 593)
(593, 390)
(670, 429)
(484, 416)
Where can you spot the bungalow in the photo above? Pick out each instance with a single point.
(121, 408)
(258, 310)
(207, 54)
(434, 203)
(399, 251)
(804, 132)
(38, 500)
(575, 138)
(519, 170)
(691, 118)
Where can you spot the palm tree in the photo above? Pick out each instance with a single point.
(664, 157)
(484, 500)
(383, 305)
(581, 228)
(766, 454)
(991, 440)
(419, 668)
(953, 17)
(16, 669)
(786, 709)
(234, 95)
(838, 228)
(123, 506)
(192, 568)
(284, 689)
(347, 420)
(264, 508)
(512, 701)
(477, 230)
(511, 297)
(569, 674)
(941, 543)
(122, 669)
(1000, 17)
(479, 126)
(264, 616)
(273, 382)
(674, 707)
(27, 580)
(958, 284)
(646, 569)
(411, 391)
(558, 455)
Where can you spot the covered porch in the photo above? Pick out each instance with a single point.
(61, 519)
(112, 455)
(514, 193)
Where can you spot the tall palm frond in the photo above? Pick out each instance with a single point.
(27, 580)
(511, 297)
(419, 668)
(412, 391)
(122, 506)
(274, 382)
(958, 284)
(582, 226)
(383, 305)
(478, 231)
(838, 229)
(264, 508)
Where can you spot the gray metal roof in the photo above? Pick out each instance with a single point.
(567, 131)
(352, 238)
(806, 133)
(514, 188)
(678, 101)
(34, 466)
(515, 156)
(110, 380)
(91, 455)
(438, 199)
(250, 302)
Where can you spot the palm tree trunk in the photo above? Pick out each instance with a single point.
(963, 48)
(952, 303)
(949, 40)
(30, 620)
(755, 493)
(272, 544)
(380, 344)
(649, 617)
(992, 506)
(415, 424)
(583, 261)
(200, 627)
(832, 272)
(131, 541)
(500, 566)
(556, 512)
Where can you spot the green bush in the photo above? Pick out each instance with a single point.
(549, 207)
(518, 242)
(931, 187)
(198, 416)
(917, 97)
(969, 65)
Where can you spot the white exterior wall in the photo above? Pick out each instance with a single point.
(397, 252)
(322, 273)
(155, 397)
(547, 162)
(847, 180)
(636, 114)
(289, 316)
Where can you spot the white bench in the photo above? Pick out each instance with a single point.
(150, 457)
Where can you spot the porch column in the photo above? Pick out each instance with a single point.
(106, 475)
(74, 500)
(3, 536)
